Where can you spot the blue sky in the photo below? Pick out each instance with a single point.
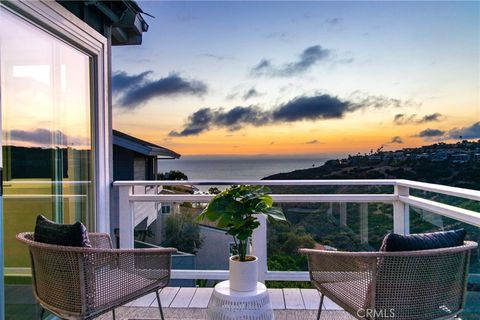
(424, 55)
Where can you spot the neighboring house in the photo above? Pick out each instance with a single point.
(136, 159)
(460, 158)
(215, 250)
(56, 110)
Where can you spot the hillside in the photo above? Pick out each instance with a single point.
(434, 164)
(319, 223)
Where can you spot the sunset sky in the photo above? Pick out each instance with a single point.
(287, 78)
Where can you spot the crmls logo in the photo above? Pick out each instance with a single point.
(376, 313)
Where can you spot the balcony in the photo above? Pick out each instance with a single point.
(362, 211)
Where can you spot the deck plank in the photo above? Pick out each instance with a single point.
(311, 298)
(293, 299)
(183, 298)
(276, 298)
(145, 301)
(201, 298)
(330, 305)
(166, 296)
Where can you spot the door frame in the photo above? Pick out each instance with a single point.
(51, 17)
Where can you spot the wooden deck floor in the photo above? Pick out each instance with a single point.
(191, 303)
(281, 299)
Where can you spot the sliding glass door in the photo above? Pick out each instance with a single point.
(46, 104)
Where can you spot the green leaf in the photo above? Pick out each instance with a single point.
(276, 213)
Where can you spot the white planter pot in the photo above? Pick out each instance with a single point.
(243, 275)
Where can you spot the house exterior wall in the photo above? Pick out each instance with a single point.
(215, 250)
(130, 165)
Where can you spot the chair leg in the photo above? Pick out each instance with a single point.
(42, 313)
(113, 314)
(320, 306)
(159, 305)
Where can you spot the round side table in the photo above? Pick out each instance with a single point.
(228, 304)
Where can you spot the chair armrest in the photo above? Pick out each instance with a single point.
(100, 240)
(347, 278)
(114, 277)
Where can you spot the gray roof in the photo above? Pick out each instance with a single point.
(141, 146)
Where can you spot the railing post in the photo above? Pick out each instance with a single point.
(343, 214)
(259, 239)
(363, 222)
(125, 216)
(401, 211)
(330, 209)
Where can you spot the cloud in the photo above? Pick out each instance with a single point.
(121, 80)
(430, 133)
(396, 139)
(309, 57)
(402, 118)
(262, 66)
(205, 118)
(471, 132)
(431, 118)
(312, 142)
(334, 21)
(251, 94)
(215, 56)
(303, 108)
(46, 137)
(141, 92)
(317, 107)
(245, 95)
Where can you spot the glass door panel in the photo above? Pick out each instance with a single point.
(46, 129)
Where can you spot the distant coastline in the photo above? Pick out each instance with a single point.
(239, 168)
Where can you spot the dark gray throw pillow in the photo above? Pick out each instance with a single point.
(423, 241)
(70, 235)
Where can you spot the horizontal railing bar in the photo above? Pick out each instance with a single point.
(199, 274)
(346, 182)
(447, 190)
(464, 215)
(288, 276)
(278, 198)
(223, 275)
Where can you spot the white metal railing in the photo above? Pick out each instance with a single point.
(400, 198)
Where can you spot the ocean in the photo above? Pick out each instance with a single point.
(238, 168)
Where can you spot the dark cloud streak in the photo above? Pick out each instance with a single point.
(121, 80)
(396, 139)
(46, 137)
(471, 132)
(430, 133)
(309, 57)
(319, 107)
(137, 94)
(402, 118)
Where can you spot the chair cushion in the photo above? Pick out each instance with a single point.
(423, 241)
(70, 235)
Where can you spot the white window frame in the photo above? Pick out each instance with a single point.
(52, 18)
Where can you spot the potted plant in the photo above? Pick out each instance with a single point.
(236, 210)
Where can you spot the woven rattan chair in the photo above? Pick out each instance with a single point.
(409, 285)
(82, 283)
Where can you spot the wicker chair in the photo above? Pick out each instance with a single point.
(82, 283)
(409, 285)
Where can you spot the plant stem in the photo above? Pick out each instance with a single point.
(241, 250)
